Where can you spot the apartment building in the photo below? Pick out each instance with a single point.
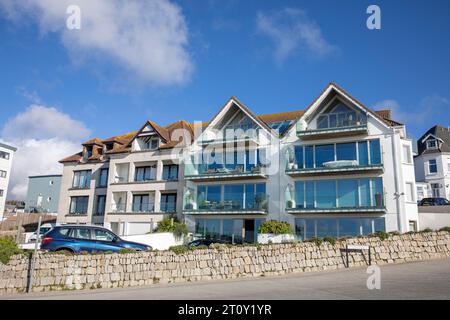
(335, 168)
(6, 159)
(43, 194)
(432, 163)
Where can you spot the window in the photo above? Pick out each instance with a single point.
(436, 190)
(103, 235)
(4, 155)
(326, 194)
(81, 233)
(51, 182)
(169, 202)
(432, 166)
(406, 154)
(409, 192)
(100, 206)
(346, 151)
(82, 179)
(103, 179)
(152, 144)
(348, 193)
(324, 153)
(79, 205)
(2, 174)
(170, 172)
(145, 174)
(375, 151)
(432, 144)
(141, 204)
(448, 165)
(1, 193)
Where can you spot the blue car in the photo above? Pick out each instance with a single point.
(76, 239)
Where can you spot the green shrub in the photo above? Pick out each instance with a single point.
(330, 240)
(201, 247)
(426, 230)
(445, 229)
(275, 227)
(179, 249)
(380, 234)
(8, 248)
(316, 240)
(179, 229)
(394, 233)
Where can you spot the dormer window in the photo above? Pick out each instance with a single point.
(152, 144)
(89, 151)
(432, 144)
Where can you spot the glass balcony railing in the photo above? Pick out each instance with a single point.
(257, 203)
(168, 207)
(335, 123)
(143, 207)
(119, 208)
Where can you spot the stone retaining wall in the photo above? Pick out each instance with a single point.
(62, 272)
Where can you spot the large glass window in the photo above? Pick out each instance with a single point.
(170, 172)
(364, 193)
(375, 152)
(103, 179)
(299, 156)
(348, 193)
(79, 205)
(212, 228)
(145, 173)
(309, 156)
(326, 194)
(82, 179)
(309, 192)
(346, 151)
(100, 206)
(300, 194)
(377, 192)
(326, 227)
(363, 153)
(349, 227)
(324, 153)
(168, 202)
(141, 204)
(234, 196)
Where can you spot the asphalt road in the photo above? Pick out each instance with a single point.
(418, 280)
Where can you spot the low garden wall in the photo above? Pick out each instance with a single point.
(66, 272)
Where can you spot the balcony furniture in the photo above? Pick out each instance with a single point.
(340, 164)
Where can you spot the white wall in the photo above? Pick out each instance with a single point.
(5, 165)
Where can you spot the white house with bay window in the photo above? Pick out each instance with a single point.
(432, 163)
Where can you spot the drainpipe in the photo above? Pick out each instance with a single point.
(396, 181)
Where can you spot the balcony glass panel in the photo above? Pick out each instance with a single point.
(346, 151)
(375, 152)
(300, 194)
(348, 193)
(234, 196)
(363, 153)
(340, 119)
(309, 186)
(364, 192)
(212, 228)
(299, 156)
(324, 153)
(349, 227)
(326, 194)
(377, 192)
(326, 227)
(309, 157)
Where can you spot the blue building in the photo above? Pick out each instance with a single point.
(43, 194)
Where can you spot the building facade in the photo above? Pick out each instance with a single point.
(432, 164)
(336, 168)
(43, 194)
(6, 159)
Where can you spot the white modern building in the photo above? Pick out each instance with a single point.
(432, 164)
(335, 168)
(6, 159)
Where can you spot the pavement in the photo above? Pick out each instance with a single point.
(417, 280)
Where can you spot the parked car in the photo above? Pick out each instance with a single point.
(434, 202)
(46, 227)
(205, 242)
(76, 238)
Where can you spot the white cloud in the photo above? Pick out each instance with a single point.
(43, 136)
(290, 29)
(147, 38)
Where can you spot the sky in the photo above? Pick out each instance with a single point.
(167, 60)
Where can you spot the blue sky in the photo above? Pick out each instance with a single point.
(227, 48)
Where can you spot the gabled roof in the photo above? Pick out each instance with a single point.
(382, 115)
(438, 132)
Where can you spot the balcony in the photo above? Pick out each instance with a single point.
(332, 167)
(231, 134)
(139, 208)
(333, 125)
(259, 205)
(375, 209)
(205, 173)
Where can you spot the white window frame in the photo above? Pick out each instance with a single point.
(435, 144)
(410, 191)
(406, 157)
(429, 165)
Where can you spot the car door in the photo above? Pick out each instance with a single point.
(104, 240)
(82, 239)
